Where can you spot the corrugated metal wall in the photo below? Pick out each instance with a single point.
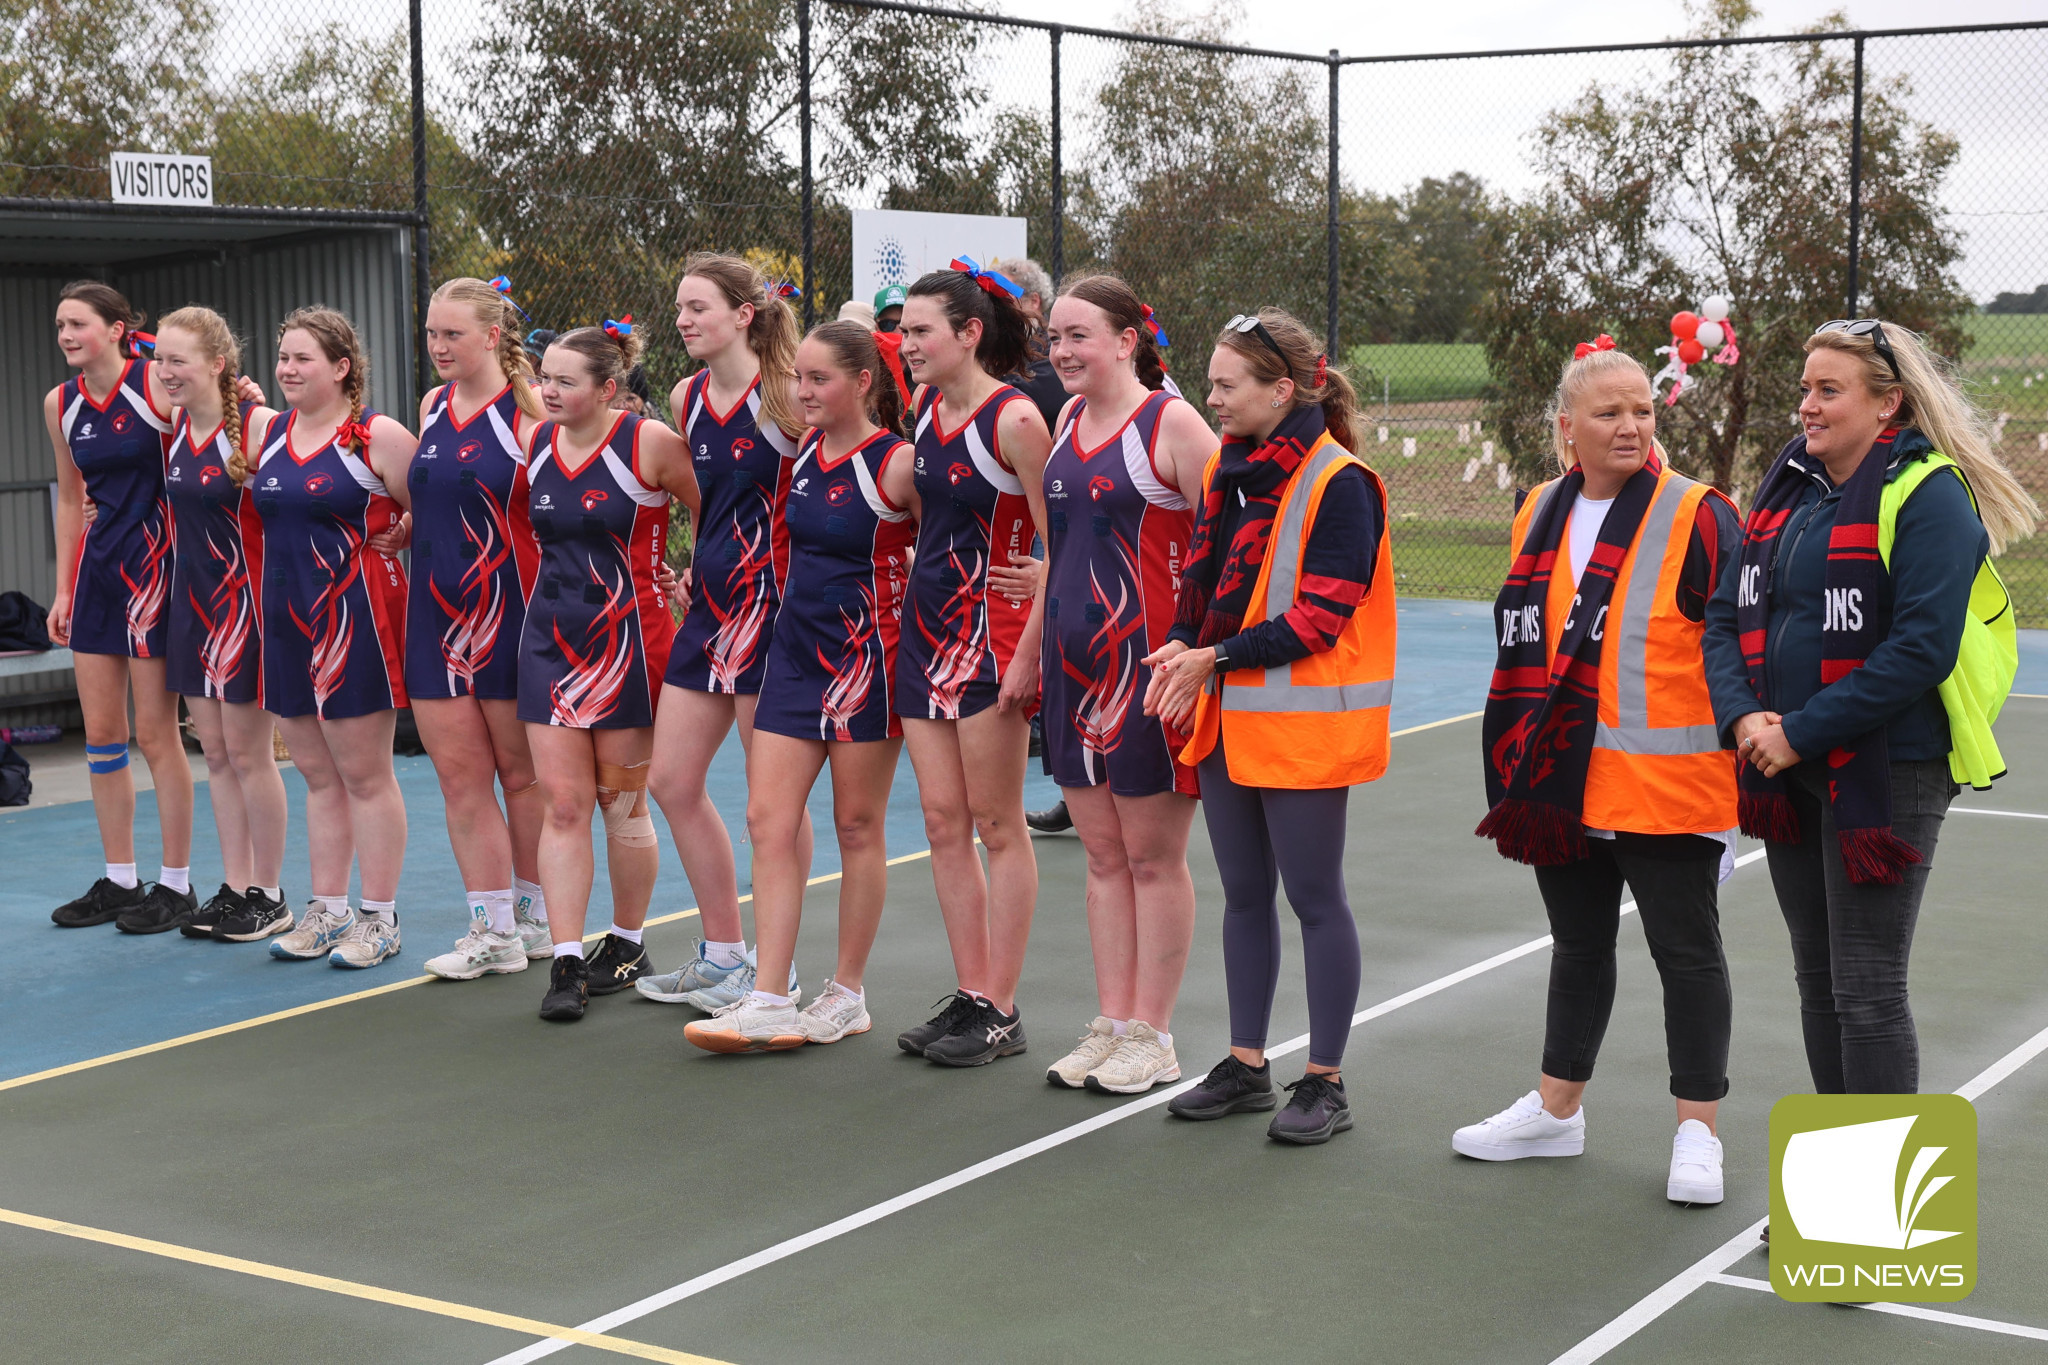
(364, 273)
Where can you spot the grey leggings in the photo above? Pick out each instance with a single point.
(1264, 836)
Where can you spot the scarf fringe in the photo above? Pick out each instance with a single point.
(1534, 832)
(1876, 856)
(1768, 816)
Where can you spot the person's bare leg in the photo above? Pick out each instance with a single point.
(806, 839)
(632, 869)
(1155, 830)
(861, 776)
(995, 747)
(458, 740)
(1706, 1111)
(330, 835)
(163, 748)
(361, 746)
(524, 810)
(566, 763)
(689, 727)
(248, 730)
(780, 773)
(224, 794)
(103, 697)
(1560, 1098)
(957, 874)
(1112, 903)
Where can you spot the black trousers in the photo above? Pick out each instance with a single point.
(1675, 878)
(1850, 943)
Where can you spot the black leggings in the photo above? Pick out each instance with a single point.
(1676, 880)
(1264, 836)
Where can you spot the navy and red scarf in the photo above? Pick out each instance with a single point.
(1859, 784)
(1541, 713)
(1238, 510)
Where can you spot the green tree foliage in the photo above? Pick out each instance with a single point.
(1436, 271)
(1653, 201)
(2036, 302)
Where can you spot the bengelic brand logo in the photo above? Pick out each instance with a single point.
(1873, 1198)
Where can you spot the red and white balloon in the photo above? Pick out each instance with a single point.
(1693, 336)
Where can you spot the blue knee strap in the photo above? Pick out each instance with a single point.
(106, 758)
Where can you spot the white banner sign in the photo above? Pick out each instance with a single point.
(895, 246)
(147, 178)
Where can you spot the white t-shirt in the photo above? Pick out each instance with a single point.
(1588, 516)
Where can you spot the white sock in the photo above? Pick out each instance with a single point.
(528, 897)
(977, 995)
(497, 910)
(123, 875)
(725, 954)
(334, 905)
(1166, 1040)
(630, 935)
(573, 949)
(176, 878)
(275, 893)
(386, 911)
(849, 992)
(1119, 1027)
(765, 998)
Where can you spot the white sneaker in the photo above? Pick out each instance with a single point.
(320, 929)
(1695, 1165)
(1140, 1060)
(700, 973)
(1097, 1043)
(369, 941)
(1524, 1128)
(478, 953)
(748, 1025)
(532, 933)
(834, 1013)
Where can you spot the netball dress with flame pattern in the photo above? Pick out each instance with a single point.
(215, 645)
(833, 653)
(1118, 535)
(598, 630)
(123, 578)
(332, 608)
(473, 554)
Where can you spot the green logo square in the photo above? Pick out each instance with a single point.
(1873, 1198)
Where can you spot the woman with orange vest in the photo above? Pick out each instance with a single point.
(1281, 665)
(1603, 762)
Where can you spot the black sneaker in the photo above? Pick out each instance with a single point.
(955, 1010)
(161, 909)
(985, 1035)
(104, 902)
(617, 964)
(1316, 1110)
(1231, 1087)
(255, 916)
(201, 921)
(568, 990)
(1053, 821)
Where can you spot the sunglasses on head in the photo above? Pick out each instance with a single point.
(1249, 322)
(1865, 327)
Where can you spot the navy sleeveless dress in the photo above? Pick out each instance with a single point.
(834, 649)
(473, 555)
(1118, 535)
(598, 630)
(123, 578)
(215, 641)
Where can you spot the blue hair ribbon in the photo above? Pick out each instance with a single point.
(621, 328)
(1158, 332)
(992, 280)
(503, 285)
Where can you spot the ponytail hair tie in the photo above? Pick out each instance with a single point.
(1603, 342)
(1152, 323)
(1322, 369)
(784, 289)
(355, 435)
(142, 344)
(503, 285)
(890, 344)
(995, 281)
(620, 329)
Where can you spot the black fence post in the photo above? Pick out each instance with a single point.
(1336, 67)
(1855, 180)
(420, 276)
(803, 47)
(1059, 184)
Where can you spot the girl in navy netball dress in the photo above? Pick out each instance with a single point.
(967, 676)
(594, 647)
(109, 427)
(331, 477)
(1119, 492)
(473, 566)
(825, 696)
(738, 416)
(215, 644)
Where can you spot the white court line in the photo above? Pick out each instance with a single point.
(1704, 1271)
(1979, 810)
(967, 1175)
(1904, 1310)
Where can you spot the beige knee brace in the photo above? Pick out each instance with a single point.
(622, 796)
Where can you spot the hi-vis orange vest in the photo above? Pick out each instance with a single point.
(1320, 721)
(1657, 766)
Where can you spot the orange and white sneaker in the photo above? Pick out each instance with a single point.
(749, 1024)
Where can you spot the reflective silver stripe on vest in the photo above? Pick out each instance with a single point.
(1283, 559)
(1634, 734)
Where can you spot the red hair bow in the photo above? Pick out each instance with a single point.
(354, 435)
(1603, 342)
(1158, 332)
(621, 329)
(995, 281)
(890, 344)
(1322, 369)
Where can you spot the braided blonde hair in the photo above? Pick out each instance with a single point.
(493, 309)
(213, 333)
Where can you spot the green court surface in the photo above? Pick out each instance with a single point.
(521, 1181)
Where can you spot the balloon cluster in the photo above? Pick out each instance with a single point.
(1693, 335)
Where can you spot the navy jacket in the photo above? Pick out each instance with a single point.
(1939, 545)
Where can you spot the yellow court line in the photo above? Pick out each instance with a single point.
(2030, 696)
(1451, 720)
(526, 1326)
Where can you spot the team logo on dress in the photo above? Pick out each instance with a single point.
(209, 474)
(122, 421)
(319, 485)
(741, 447)
(840, 494)
(1059, 488)
(802, 485)
(85, 431)
(470, 451)
(958, 473)
(546, 500)
(591, 498)
(271, 482)
(1099, 485)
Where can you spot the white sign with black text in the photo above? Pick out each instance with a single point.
(150, 178)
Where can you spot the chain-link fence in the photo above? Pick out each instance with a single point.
(1453, 222)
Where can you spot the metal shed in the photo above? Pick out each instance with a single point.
(251, 265)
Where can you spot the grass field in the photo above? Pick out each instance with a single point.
(1420, 372)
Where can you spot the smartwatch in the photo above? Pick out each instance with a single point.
(1222, 659)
